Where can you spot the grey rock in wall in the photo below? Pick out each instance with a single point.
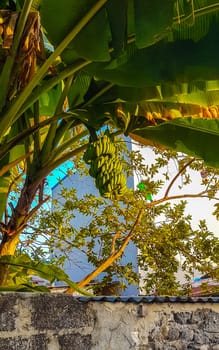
(8, 312)
(59, 311)
(33, 342)
(186, 330)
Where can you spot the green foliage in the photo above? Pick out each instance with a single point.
(166, 238)
(165, 244)
(22, 266)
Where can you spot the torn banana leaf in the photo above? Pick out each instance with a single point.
(194, 136)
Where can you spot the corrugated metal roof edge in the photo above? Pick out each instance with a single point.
(150, 299)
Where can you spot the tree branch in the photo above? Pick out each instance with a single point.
(10, 188)
(112, 257)
(117, 235)
(164, 199)
(177, 175)
(34, 210)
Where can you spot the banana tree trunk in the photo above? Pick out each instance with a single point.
(7, 247)
(19, 217)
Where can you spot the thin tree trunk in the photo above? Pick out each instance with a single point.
(7, 247)
(19, 217)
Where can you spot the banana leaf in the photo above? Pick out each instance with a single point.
(148, 21)
(180, 61)
(104, 93)
(59, 17)
(79, 89)
(47, 271)
(24, 287)
(118, 23)
(153, 20)
(48, 101)
(193, 18)
(195, 137)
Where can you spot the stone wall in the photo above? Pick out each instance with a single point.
(62, 322)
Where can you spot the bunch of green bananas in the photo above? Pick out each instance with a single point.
(106, 167)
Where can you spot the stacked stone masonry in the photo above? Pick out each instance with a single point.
(42, 321)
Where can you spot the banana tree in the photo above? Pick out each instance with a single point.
(68, 68)
(39, 131)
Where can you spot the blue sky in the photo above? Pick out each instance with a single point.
(59, 174)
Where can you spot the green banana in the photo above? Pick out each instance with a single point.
(89, 154)
(101, 161)
(93, 171)
(104, 141)
(106, 167)
(98, 149)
